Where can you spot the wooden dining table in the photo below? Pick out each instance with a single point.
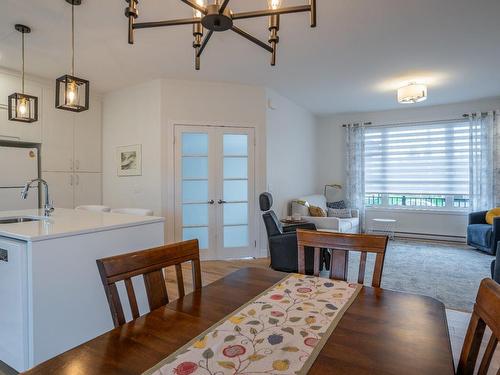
(382, 332)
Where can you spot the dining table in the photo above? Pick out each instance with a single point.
(382, 332)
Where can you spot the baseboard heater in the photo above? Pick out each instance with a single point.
(430, 236)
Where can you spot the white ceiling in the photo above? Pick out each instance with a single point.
(361, 51)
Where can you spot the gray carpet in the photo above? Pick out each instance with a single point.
(446, 271)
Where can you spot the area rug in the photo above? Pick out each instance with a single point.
(449, 272)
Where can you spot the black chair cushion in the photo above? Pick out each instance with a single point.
(480, 234)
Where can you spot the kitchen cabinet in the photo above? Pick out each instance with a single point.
(88, 189)
(57, 136)
(69, 190)
(88, 144)
(71, 141)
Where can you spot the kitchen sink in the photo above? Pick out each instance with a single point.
(19, 219)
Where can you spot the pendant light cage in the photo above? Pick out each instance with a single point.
(72, 93)
(22, 107)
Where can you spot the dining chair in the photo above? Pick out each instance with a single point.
(486, 312)
(94, 208)
(133, 211)
(150, 264)
(341, 244)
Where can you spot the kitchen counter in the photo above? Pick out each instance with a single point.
(51, 294)
(64, 222)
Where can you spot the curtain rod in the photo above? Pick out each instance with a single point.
(409, 123)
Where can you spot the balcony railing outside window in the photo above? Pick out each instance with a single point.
(420, 201)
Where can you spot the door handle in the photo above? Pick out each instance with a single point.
(221, 201)
(211, 201)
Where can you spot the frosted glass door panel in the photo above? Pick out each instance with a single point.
(235, 186)
(194, 185)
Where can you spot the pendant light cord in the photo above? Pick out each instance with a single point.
(73, 39)
(22, 44)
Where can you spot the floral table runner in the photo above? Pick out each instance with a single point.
(281, 331)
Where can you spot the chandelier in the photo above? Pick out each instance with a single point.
(217, 17)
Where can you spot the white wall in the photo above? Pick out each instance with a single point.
(133, 116)
(331, 156)
(291, 152)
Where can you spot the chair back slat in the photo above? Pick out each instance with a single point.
(486, 312)
(317, 259)
(362, 267)
(150, 264)
(180, 280)
(341, 245)
(131, 298)
(156, 289)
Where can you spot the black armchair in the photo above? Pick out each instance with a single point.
(495, 268)
(283, 240)
(482, 235)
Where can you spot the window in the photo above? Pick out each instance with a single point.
(422, 166)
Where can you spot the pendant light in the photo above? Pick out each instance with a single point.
(23, 107)
(72, 93)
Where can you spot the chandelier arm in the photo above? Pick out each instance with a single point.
(182, 21)
(204, 44)
(270, 12)
(223, 6)
(251, 38)
(196, 6)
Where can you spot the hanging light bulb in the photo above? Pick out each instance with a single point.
(72, 93)
(274, 4)
(197, 13)
(23, 107)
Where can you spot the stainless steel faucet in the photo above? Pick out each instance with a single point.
(48, 207)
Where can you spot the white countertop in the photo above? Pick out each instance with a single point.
(64, 222)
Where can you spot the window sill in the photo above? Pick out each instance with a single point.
(419, 211)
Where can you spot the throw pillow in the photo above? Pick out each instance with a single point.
(336, 205)
(316, 211)
(341, 213)
(491, 214)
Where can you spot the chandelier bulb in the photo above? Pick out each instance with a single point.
(274, 4)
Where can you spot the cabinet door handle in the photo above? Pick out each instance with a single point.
(70, 164)
(71, 180)
(78, 179)
(77, 164)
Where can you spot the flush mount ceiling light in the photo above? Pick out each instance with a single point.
(22, 107)
(412, 93)
(72, 93)
(217, 17)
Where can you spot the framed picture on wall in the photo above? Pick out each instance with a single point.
(129, 160)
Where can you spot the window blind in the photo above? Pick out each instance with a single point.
(430, 158)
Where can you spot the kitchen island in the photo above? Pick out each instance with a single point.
(51, 295)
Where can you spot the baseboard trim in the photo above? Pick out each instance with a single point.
(434, 237)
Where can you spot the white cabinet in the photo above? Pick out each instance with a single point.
(88, 188)
(57, 136)
(60, 188)
(71, 141)
(14, 302)
(69, 190)
(88, 139)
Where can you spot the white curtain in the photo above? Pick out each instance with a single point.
(482, 160)
(355, 168)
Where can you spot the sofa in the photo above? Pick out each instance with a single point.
(482, 235)
(350, 225)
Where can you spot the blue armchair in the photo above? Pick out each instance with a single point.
(482, 235)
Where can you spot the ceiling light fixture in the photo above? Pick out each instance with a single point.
(23, 107)
(412, 93)
(72, 93)
(217, 17)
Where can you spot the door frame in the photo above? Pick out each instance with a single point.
(168, 150)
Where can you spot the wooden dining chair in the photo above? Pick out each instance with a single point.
(486, 312)
(341, 244)
(150, 264)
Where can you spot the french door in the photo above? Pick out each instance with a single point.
(214, 190)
